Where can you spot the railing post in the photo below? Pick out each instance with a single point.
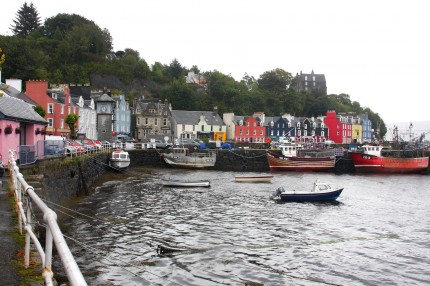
(27, 240)
(48, 249)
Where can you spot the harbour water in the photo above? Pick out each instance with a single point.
(377, 233)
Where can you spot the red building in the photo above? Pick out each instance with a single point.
(249, 129)
(340, 128)
(57, 104)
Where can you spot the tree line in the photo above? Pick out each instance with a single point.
(72, 49)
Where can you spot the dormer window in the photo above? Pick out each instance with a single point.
(298, 124)
(306, 126)
(289, 124)
(54, 95)
(241, 122)
(314, 125)
(272, 123)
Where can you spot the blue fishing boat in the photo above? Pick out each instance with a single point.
(320, 192)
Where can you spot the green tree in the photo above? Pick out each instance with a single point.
(71, 120)
(2, 58)
(39, 109)
(27, 20)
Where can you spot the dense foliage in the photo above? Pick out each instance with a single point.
(72, 49)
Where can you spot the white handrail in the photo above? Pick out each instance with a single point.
(54, 235)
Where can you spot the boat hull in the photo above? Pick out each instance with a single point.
(365, 163)
(311, 197)
(253, 179)
(192, 162)
(282, 163)
(185, 183)
(119, 164)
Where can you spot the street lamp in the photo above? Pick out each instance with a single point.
(410, 132)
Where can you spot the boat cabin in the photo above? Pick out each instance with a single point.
(373, 150)
(120, 155)
(290, 149)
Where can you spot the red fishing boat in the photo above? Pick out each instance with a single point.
(279, 162)
(381, 159)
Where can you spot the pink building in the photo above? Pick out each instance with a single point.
(19, 125)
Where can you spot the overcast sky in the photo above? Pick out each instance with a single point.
(377, 51)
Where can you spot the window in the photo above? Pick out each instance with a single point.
(289, 124)
(306, 77)
(138, 121)
(68, 109)
(306, 126)
(299, 132)
(305, 133)
(322, 125)
(261, 132)
(183, 127)
(146, 120)
(313, 78)
(247, 124)
(51, 122)
(156, 121)
(50, 108)
(255, 124)
(247, 132)
(298, 124)
(255, 132)
(203, 128)
(62, 109)
(164, 121)
(322, 133)
(62, 123)
(240, 132)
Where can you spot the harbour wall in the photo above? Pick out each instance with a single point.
(59, 179)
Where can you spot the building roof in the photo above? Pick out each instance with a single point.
(15, 109)
(104, 97)
(193, 117)
(13, 92)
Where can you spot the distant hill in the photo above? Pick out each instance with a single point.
(418, 127)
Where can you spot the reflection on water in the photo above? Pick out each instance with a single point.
(376, 234)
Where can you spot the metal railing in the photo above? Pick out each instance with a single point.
(25, 198)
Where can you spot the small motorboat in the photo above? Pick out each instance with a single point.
(177, 182)
(254, 179)
(119, 159)
(320, 192)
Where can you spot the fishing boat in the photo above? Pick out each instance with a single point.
(382, 159)
(182, 158)
(310, 161)
(119, 159)
(177, 182)
(254, 179)
(320, 192)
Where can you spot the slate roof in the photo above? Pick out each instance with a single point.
(193, 117)
(15, 109)
(11, 91)
(104, 97)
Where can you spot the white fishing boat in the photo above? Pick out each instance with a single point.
(119, 159)
(182, 158)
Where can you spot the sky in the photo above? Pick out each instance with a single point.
(376, 51)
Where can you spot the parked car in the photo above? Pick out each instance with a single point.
(79, 149)
(159, 144)
(191, 143)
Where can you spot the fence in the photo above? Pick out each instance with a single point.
(26, 198)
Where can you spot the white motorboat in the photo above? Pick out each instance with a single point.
(119, 159)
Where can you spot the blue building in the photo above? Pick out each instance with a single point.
(122, 115)
(367, 128)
